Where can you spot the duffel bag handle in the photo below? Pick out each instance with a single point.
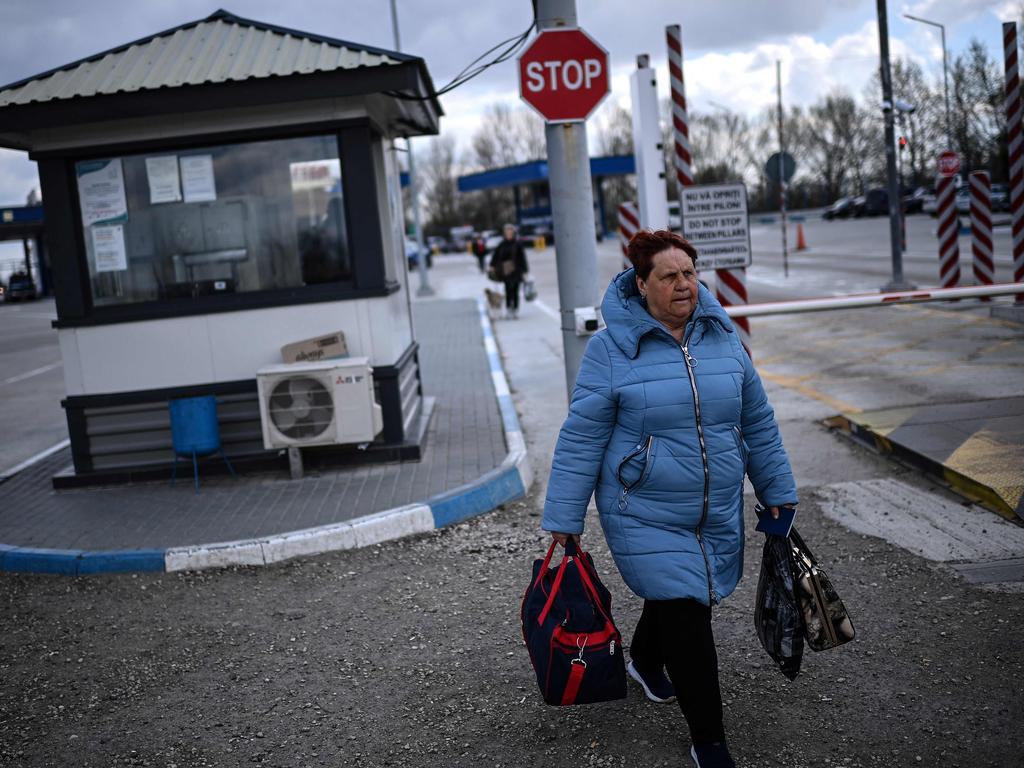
(571, 551)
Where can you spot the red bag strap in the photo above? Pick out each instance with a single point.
(554, 587)
(584, 570)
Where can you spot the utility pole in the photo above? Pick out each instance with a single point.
(782, 175)
(572, 208)
(414, 196)
(945, 73)
(897, 283)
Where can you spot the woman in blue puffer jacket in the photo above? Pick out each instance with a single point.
(667, 415)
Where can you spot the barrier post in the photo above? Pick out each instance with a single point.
(731, 284)
(1015, 150)
(981, 229)
(629, 223)
(948, 233)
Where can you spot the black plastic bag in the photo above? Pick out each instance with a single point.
(777, 616)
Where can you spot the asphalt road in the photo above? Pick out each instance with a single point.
(31, 382)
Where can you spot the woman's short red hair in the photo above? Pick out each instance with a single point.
(646, 244)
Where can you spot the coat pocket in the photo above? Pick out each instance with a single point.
(741, 445)
(635, 467)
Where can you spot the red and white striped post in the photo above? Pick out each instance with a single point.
(981, 229)
(629, 224)
(731, 283)
(1014, 142)
(949, 233)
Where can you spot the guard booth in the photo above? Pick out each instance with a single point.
(213, 193)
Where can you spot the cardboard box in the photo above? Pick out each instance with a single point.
(312, 350)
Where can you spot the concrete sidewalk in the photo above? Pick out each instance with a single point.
(466, 469)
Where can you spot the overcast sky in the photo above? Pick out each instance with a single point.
(730, 46)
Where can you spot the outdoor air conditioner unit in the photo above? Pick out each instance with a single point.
(329, 402)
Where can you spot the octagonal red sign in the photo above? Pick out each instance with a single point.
(563, 75)
(949, 163)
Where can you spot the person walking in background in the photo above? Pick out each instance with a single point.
(667, 416)
(480, 250)
(508, 263)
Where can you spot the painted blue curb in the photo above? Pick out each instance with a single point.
(506, 483)
(496, 487)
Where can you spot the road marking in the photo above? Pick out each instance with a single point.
(794, 383)
(553, 314)
(4, 476)
(30, 374)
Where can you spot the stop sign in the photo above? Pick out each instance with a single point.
(949, 164)
(563, 75)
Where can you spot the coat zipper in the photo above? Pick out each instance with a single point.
(690, 364)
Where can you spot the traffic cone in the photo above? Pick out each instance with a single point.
(801, 242)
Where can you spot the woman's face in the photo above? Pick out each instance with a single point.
(670, 288)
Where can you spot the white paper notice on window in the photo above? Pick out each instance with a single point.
(101, 191)
(197, 178)
(108, 248)
(164, 183)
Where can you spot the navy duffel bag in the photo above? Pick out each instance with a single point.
(574, 645)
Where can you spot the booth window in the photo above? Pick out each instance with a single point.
(235, 218)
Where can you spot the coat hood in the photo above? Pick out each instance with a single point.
(628, 320)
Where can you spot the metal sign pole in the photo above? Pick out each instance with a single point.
(782, 174)
(572, 208)
(414, 197)
(897, 283)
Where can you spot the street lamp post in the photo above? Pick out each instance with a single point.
(421, 255)
(945, 73)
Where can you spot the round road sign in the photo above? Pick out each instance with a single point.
(949, 164)
(563, 75)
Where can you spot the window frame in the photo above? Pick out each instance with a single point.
(355, 140)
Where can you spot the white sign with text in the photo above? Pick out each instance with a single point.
(715, 220)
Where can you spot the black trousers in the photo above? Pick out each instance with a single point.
(512, 293)
(677, 634)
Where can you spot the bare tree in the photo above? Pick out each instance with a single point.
(437, 177)
(976, 91)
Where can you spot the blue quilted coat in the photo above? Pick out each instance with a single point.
(664, 444)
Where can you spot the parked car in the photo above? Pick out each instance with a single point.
(914, 202)
(963, 200)
(840, 209)
(1000, 197)
(930, 204)
(875, 202)
(21, 287)
(412, 254)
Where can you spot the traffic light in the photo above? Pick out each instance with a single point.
(903, 143)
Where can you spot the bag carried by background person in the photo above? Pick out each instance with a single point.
(529, 288)
(574, 646)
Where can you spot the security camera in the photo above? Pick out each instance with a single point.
(904, 106)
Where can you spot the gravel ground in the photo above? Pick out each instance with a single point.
(410, 654)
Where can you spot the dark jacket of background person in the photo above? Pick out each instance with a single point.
(632, 434)
(512, 252)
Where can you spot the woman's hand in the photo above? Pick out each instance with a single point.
(775, 510)
(561, 538)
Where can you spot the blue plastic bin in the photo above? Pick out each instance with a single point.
(195, 432)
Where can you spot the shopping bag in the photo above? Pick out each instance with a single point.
(574, 645)
(826, 621)
(529, 289)
(777, 616)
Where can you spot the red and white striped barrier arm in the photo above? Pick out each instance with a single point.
(1015, 146)
(629, 224)
(981, 228)
(949, 233)
(860, 300)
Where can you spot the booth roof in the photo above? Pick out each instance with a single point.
(218, 49)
